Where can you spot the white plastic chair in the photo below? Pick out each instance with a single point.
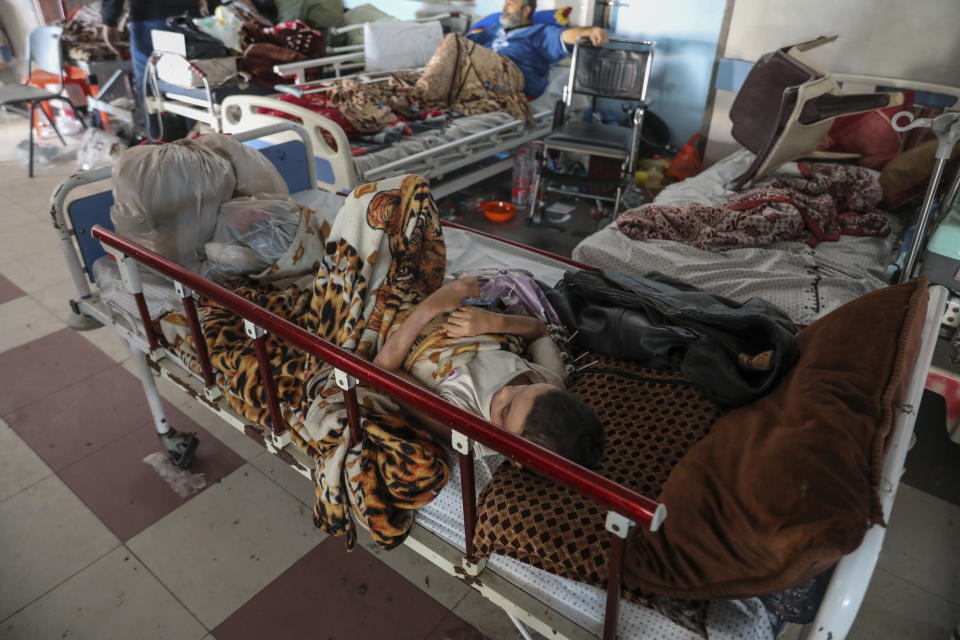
(43, 51)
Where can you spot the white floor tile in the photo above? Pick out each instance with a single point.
(115, 598)
(14, 216)
(300, 487)
(46, 535)
(895, 609)
(218, 550)
(56, 297)
(922, 544)
(242, 445)
(23, 320)
(20, 467)
(27, 240)
(38, 271)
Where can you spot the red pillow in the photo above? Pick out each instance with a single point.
(868, 134)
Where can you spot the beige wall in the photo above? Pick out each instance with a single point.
(916, 39)
(18, 17)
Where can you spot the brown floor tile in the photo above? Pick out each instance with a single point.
(454, 628)
(40, 368)
(9, 291)
(125, 492)
(72, 423)
(338, 595)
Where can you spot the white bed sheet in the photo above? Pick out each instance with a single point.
(806, 283)
(727, 620)
(407, 146)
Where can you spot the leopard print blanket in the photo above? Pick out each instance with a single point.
(461, 76)
(825, 202)
(382, 256)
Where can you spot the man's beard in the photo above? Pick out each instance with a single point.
(510, 20)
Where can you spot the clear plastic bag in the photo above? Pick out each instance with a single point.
(98, 148)
(251, 234)
(224, 25)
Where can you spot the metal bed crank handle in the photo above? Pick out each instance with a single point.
(946, 127)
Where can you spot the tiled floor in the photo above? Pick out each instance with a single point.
(95, 544)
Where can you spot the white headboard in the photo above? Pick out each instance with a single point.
(720, 142)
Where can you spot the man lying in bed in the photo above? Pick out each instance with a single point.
(526, 398)
(534, 48)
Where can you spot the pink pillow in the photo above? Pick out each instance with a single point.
(869, 134)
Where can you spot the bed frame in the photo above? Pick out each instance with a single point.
(449, 167)
(241, 114)
(625, 508)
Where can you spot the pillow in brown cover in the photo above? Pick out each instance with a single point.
(781, 488)
(906, 176)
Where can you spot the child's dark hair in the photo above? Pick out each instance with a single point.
(561, 422)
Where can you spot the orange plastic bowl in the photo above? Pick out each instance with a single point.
(498, 211)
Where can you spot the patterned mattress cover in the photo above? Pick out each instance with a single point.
(582, 603)
(459, 128)
(726, 620)
(406, 146)
(806, 283)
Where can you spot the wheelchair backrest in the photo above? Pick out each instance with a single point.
(620, 70)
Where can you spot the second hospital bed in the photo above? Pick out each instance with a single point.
(806, 282)
(554, 606)
(469, 149)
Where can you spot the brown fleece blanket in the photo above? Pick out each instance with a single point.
(782, 488)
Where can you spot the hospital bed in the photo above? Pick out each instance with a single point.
(131, 285)
(805, 282)
(471, 149)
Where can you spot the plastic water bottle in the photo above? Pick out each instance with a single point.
(524, 171)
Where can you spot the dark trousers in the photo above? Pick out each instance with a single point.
(141, 46)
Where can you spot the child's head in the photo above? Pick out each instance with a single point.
(551, 417)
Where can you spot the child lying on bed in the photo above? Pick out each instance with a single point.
(526, 398)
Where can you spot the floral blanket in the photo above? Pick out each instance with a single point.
(823, 203)
(461, 76)
(82, 38)
(472, 79)
(383, 254)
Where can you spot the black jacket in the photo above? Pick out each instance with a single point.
(732, 352)
(140, 10)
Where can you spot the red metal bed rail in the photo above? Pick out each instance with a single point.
(627, 506)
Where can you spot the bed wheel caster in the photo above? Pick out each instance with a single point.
(180, 446)
(79, 321)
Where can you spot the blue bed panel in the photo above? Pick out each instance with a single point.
(83, 214)
(289, 158)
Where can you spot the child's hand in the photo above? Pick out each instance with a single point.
(471, 321)
(451, 295)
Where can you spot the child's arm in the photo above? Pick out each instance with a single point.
(472, 321)
(446, 298)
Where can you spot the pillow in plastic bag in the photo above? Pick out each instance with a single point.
(166, 197)
(251, 234)
(253, 172)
